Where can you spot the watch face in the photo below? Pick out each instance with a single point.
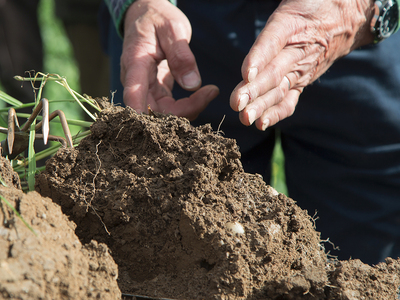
(389, 21)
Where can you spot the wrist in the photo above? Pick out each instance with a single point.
(364, 35)
(118, 9)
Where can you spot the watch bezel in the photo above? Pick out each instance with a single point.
(379, 24)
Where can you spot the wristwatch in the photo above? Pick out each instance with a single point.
(386, 19)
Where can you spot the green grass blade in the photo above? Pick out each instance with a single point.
(278, 178)
(3, 122)
(30, 163)
(20, 167)
(57, 120)
(8, 99)
(91, 102)
(4, 110)
(47, 152)
(70, 121)
(63, 82)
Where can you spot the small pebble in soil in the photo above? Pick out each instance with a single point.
(235, 227)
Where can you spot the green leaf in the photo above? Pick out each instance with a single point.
(8, 99)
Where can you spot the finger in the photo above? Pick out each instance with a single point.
(285, 78)
(239, 100)
(254, 110)
(296, 60)
(136, 84)
(164, 76)
(181, 60)
(138, 60)
(271, 40)
(189, 107)
(278, 112)
(144, 76)
(270, 78)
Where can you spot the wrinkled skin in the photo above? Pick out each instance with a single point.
(301, 40)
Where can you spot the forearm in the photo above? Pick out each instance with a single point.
(118, 9)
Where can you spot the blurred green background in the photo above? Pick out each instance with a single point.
(59, 59)
(58, 53)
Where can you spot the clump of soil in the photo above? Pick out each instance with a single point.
(7, 174)
(354, 280)
(184, 221)
(50, 263)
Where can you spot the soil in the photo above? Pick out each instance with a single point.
(49, 261)
(181, 218)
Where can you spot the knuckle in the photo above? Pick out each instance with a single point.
(281, 91)
(288, 108)
(253, 91)
(282, 111)
(276, 73)
(180, 29)
(180, 57)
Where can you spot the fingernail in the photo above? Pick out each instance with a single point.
(252, 116)
(252, 74)
(243, 100)
(265, 124)
(191, 80)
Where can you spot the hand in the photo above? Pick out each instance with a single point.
(300, 41)
(155, 52)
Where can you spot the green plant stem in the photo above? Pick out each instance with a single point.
(21, 165)
(62, 81)
(70, 121)
(5, 109)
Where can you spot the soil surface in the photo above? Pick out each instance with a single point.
(182, 220)
(50, 261)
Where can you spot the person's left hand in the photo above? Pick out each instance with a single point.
(300, 41)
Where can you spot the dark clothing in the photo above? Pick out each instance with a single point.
(77, 11)
(341, 146)
(81, 23)
(21, 47)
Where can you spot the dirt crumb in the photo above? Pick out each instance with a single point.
(7, 175)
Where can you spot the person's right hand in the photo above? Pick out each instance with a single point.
(155, 52)
(300, 41)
